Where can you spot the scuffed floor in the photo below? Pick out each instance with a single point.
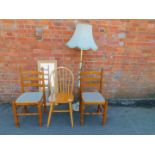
(121, 121)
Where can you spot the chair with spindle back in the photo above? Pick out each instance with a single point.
(92, 79)
(34, 97)
(63, 92)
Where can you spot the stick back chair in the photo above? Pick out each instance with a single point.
(63, 92)
(92, 80)
(31, 82)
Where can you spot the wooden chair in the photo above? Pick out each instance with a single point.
(30, 80)
(92, 79)
(63, 92)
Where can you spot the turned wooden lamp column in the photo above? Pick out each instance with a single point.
(82, 39)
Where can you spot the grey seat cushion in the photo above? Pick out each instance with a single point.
(92, 97)
(30, 97)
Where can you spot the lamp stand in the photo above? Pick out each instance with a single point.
(80, 68)
(76, 104)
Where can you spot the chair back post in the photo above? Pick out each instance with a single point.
(21, 79)
(43, 80)
(101, 81)
(43, 88)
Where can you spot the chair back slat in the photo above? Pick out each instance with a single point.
(32, 79)
(32, 72)
(33, 85)
(90, 79)
(90, 73)
(97, 85)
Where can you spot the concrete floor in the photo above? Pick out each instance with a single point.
(121, 121)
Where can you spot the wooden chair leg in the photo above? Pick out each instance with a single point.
(15, 114)
(71, 114)
(40, 114)
(98, 109)
(80, 107)
(50, 114)
(25, 109)
(44, 103)
(105, 113)
(82, 114)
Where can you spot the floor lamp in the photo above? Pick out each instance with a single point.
(82, 39)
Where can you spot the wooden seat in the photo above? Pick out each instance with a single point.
(33, 80)
(63, 92)
(92, 79)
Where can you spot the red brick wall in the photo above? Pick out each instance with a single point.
(126, 51)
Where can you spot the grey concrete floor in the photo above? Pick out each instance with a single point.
(121, 121)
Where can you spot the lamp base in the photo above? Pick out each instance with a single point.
(76, 106)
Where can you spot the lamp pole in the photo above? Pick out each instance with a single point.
(80, 69)
(76, 105)
(81, 59)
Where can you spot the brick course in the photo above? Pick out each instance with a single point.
(126, 51)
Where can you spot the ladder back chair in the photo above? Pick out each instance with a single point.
(92, 80)
(63, 91)
(31, 82)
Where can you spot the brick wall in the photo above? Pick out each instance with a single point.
(126, 51)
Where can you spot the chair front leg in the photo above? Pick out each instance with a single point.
(80, 107)
(15, 114)
(25, 109)
(82, 113)
(98, 109)
(71, 114)
(44, 103)
(105, 113)
(50, 113)
(40, 114)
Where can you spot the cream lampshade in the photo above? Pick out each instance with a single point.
(82, 38)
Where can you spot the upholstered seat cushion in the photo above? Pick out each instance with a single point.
(92, 97)
(29, 97)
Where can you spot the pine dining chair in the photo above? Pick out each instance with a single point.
(92, 81)
(31, 82)
(63, 92)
